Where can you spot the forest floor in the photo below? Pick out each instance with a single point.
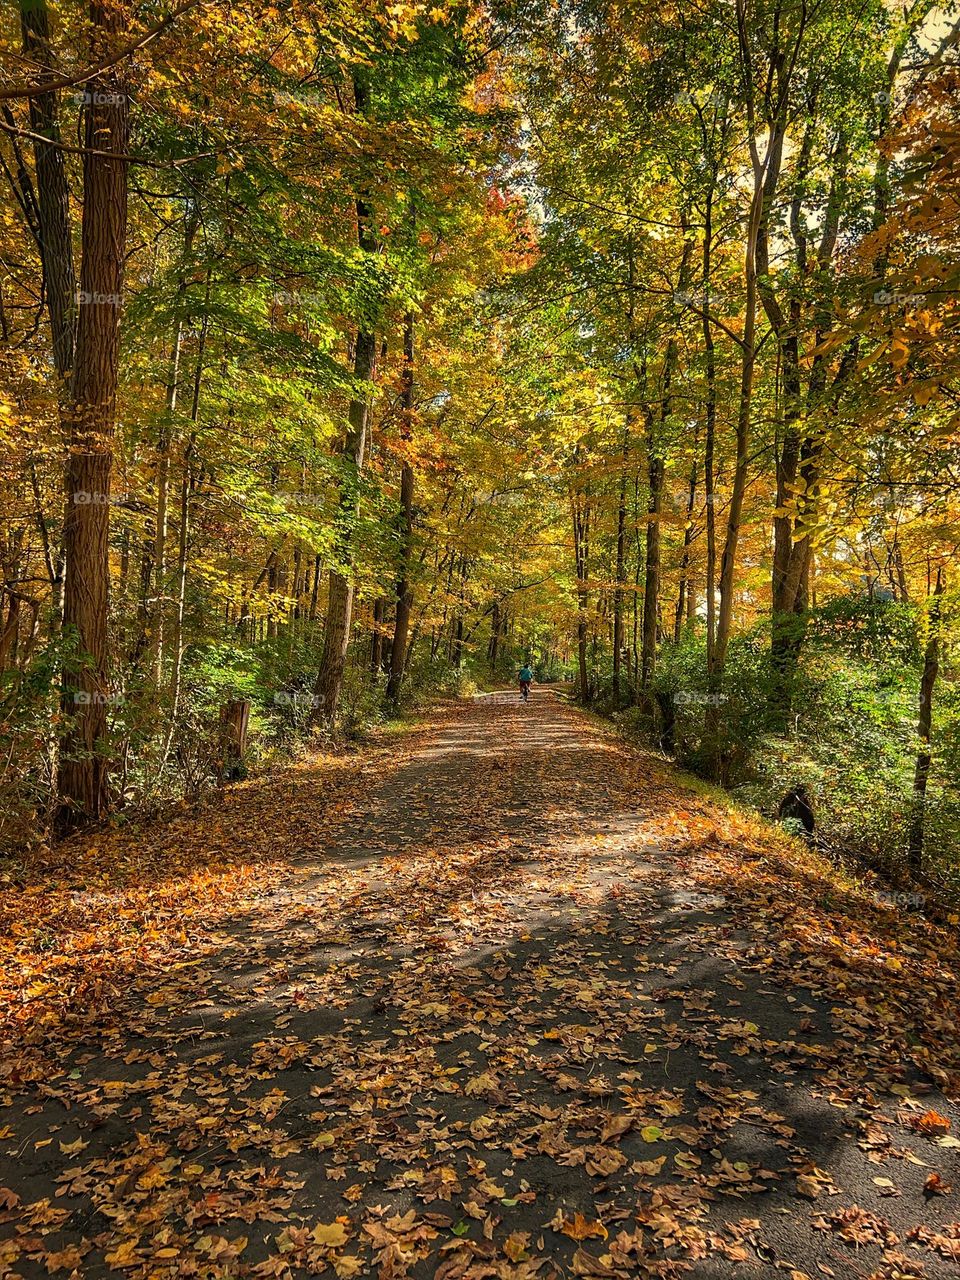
(499, 997)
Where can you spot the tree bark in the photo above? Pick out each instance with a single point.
(685, 594)
(580, 507)
(340, 589)
(655, 482)
(620, 563)
(921, 776)
(710, 437)
(651, 581)
(90, 418)
(398, 652)
(53, 197)
(376, 640)
(340, 586)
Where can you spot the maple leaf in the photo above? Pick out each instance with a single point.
(333, 1233)
(930, 1122)
(578, 1227)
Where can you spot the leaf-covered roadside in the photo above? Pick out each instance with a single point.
(525, 1006)
(82, 920)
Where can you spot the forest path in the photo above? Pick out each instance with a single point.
(509, 1001)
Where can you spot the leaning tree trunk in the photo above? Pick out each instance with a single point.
(398, 651)
(90, 420)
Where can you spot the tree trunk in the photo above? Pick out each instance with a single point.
(496, 625)
(921, 776)
(340, 589)
(728, 561)
(90, 420)
(766, 176)
(163, 489)
(685, 594)
(710, 437)
(336, 638)
(158, 611)
(398, 652)
(651, 583)
(620, 565)
(234, 718)
(655, 476)
(376, 640)
(53, 197)
(580, 504)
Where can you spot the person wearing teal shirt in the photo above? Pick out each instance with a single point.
(526, 679)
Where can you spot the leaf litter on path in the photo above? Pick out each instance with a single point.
(512, 1002)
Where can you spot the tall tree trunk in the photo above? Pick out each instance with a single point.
(180, 600)
(496, 628)
(797, 459)
(398, 652)
(685, 594)
(766, 176)
(90, 420)
(651, 582)
(163, 486)
(621, 562)
(580, 506)
(340, 589)
(159, 551)
(710, 436)
(656, 443)
(315, 589)
(728, 561)
(53, 197)
(921, 776)
(376, 640)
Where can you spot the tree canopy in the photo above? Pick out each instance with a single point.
(356, 350)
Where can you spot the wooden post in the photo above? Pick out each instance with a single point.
(234, 718)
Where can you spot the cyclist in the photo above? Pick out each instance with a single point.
(526, 679)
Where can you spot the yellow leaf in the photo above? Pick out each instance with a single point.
(331, 1233)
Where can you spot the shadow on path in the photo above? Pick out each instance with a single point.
(522, 1007)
